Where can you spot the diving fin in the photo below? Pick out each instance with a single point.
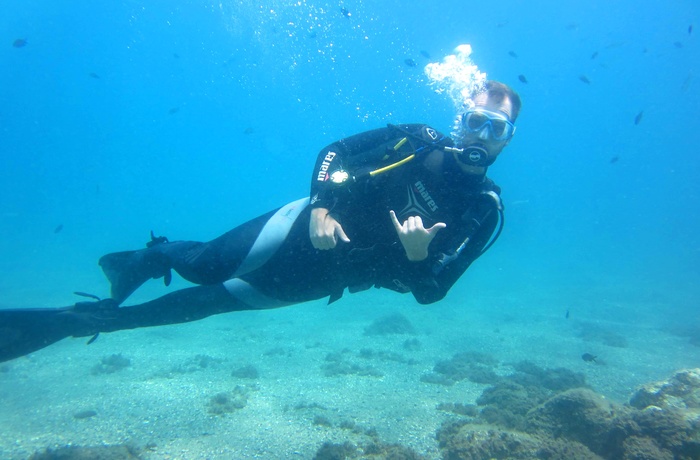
(25, 330)
(128, 270)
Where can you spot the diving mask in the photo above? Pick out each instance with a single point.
(500, 128)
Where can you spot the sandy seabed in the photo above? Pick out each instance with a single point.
(171, 391)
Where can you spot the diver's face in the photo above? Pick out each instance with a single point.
(486, 134)
(485, 137)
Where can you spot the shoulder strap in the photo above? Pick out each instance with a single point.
(423, 137)
(416, 139)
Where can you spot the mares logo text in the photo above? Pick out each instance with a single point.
(426, 196)
(323, 170)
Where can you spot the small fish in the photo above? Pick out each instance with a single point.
(174, 110)
(20, 43)
(522, 78)
(176, 56)
(248, 130)
(572, 26)
(84, 414)
(94, 75)
(58, 228)
(410, 62)
(594, 55)
(345, 12)
(502, 24)
(614, 160)
(94, 337)
(513, 54)
(690, 29)
(567, 314)
(425, 54)
(678, 45)
(588, 357)
(638, 118)
(584, 79)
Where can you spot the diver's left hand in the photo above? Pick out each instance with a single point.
(414, 237)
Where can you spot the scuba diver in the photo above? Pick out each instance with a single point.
(402, 207)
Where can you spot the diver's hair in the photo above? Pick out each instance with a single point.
(497, 92)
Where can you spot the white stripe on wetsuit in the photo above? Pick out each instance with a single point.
(271, 236)
(251, 296)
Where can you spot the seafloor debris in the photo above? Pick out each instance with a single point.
(472, 365)
(246, 372)
(111, 364)
(681, 391)
(373, 450)
(391, 324)
(226, 402)
(663, 422)
(113, 452)
(339, 364)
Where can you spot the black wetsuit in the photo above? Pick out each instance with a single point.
(467, 204)
(273, 254)
(269, 262)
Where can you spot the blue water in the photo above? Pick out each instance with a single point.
(121, 117)
(105, 158)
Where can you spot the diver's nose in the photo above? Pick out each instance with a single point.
(484, 133)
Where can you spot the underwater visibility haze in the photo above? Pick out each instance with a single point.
(188, 118)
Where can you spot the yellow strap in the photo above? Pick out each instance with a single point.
(400, 143)
(392, 166)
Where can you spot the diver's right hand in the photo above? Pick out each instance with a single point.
(324, 230)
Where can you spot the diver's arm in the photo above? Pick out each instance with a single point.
(429, 288)
(324, 191)
(324, 229)
(431, 278)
